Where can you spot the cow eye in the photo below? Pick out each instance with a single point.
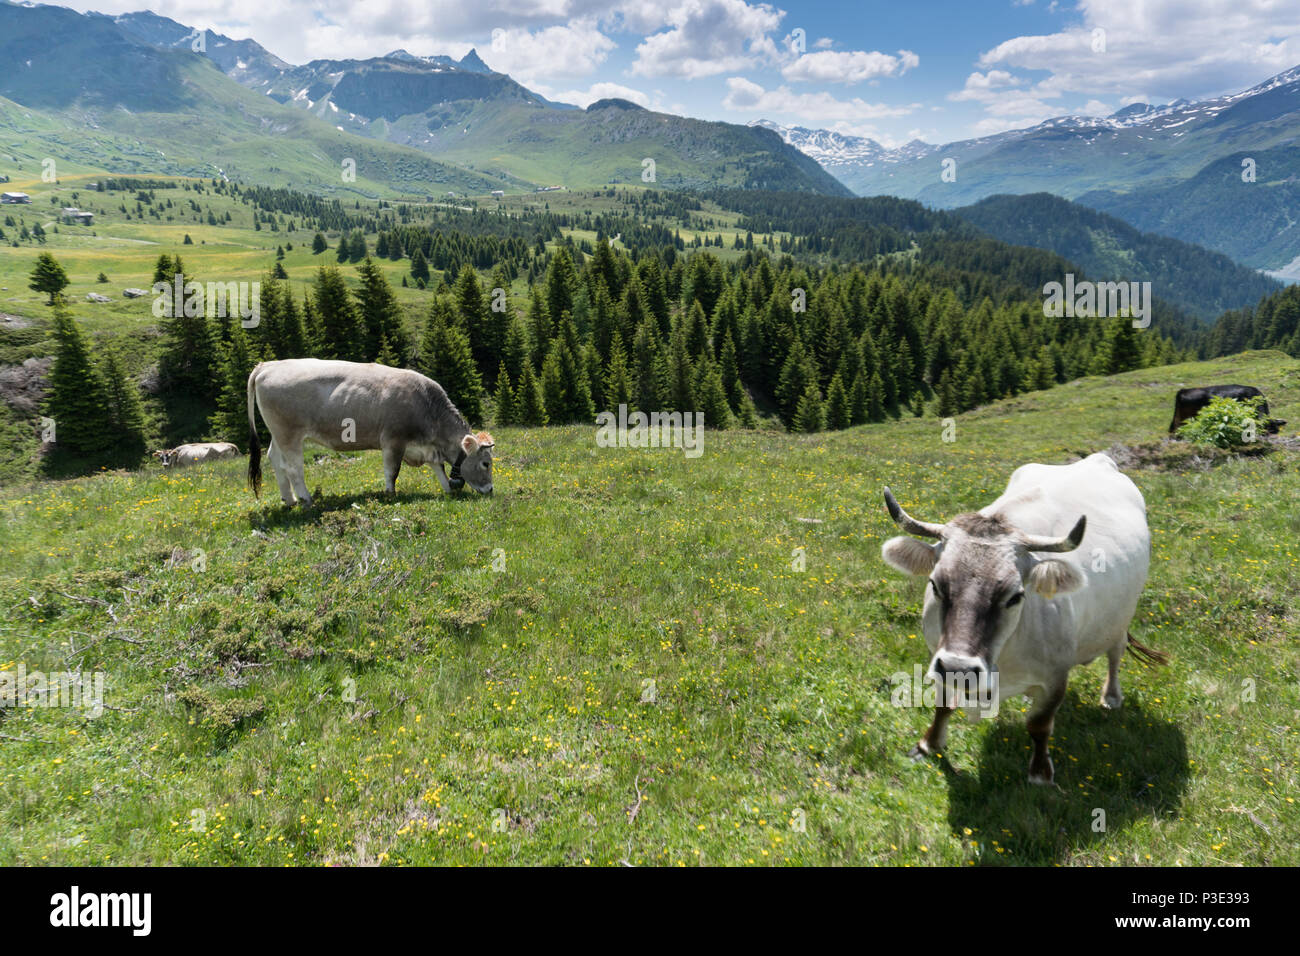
(1016, 599)
(935, 587)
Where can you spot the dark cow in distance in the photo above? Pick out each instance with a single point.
(1189, 402)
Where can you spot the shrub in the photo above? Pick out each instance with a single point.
(1225, 423)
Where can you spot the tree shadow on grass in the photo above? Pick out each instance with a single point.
(1127, 763)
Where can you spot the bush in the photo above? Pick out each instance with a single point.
(1225, 423)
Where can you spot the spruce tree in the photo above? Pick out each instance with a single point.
(381, 316)
(126, 410)
(858, 399)
(875, 398)
(77, 397)
(48, 277)
(618, 378)
(646, 369)
(565, 387)
(711, 397)
(530, 407)
(342, 335)
(946, 395)
(420, 267)
(230, 420)
(504, 399)
(838, 415)
(445, 357)
(809, 415)
(681, 387)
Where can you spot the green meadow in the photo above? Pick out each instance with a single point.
(628, 656)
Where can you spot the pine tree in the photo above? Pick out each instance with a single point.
(342, 335)
(796, 373)
(858, 399)
(318, 244)
(77, 398)
(1125, 346)
(445, 357)
(230, 420)
(946, 395)
(381, 316)
(730, 367)
(530, 408)
(504, 400)
(48, 277)
(540, 329)
(618, 378)
(126, 410)
(561, 284)
(188, 357)
(646, 366)
(681, 390)
(711, 397)
(838, 415)
(809, 415)
(565, 387)
(420, 267)
(475, 318)
(875, 398)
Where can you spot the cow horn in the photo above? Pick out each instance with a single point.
(1042, 542)
(907, 522)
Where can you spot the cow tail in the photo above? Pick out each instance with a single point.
(1145, 654)
(254, 445)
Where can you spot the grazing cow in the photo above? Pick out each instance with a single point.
(350, 406)
(196, 453)
(1045, 578)
(1189, 402)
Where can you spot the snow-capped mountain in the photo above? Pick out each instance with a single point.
(1067, 155)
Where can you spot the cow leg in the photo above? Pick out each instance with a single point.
(1111, 696)
(935, 737)
(1039, 724)
(439, 470)
(295, 466)
(281, 472)
(392, 465)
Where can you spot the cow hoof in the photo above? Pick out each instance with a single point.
(1042, 775)
(920, 751)
(1112, 703)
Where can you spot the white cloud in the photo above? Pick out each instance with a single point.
(848, 67)
(299, 31)
(574, 50)
(601, 91)
(746, 96)
(1192, 48)
(708, 37)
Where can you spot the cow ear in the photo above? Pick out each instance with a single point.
(909, 555)
(1052, 577)
(469, 444)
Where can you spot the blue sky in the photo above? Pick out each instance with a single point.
(938, 70)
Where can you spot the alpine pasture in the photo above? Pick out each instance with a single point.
(629, 656)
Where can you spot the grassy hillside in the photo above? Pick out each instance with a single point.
(1201, 282)
(253, 140)
(1254, 222)
(616, 658)
(607, 143)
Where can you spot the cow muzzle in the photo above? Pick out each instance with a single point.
(961, 678)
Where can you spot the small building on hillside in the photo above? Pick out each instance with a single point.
(4, 178)
(76, 217)
(498, 194)
(14, 198)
